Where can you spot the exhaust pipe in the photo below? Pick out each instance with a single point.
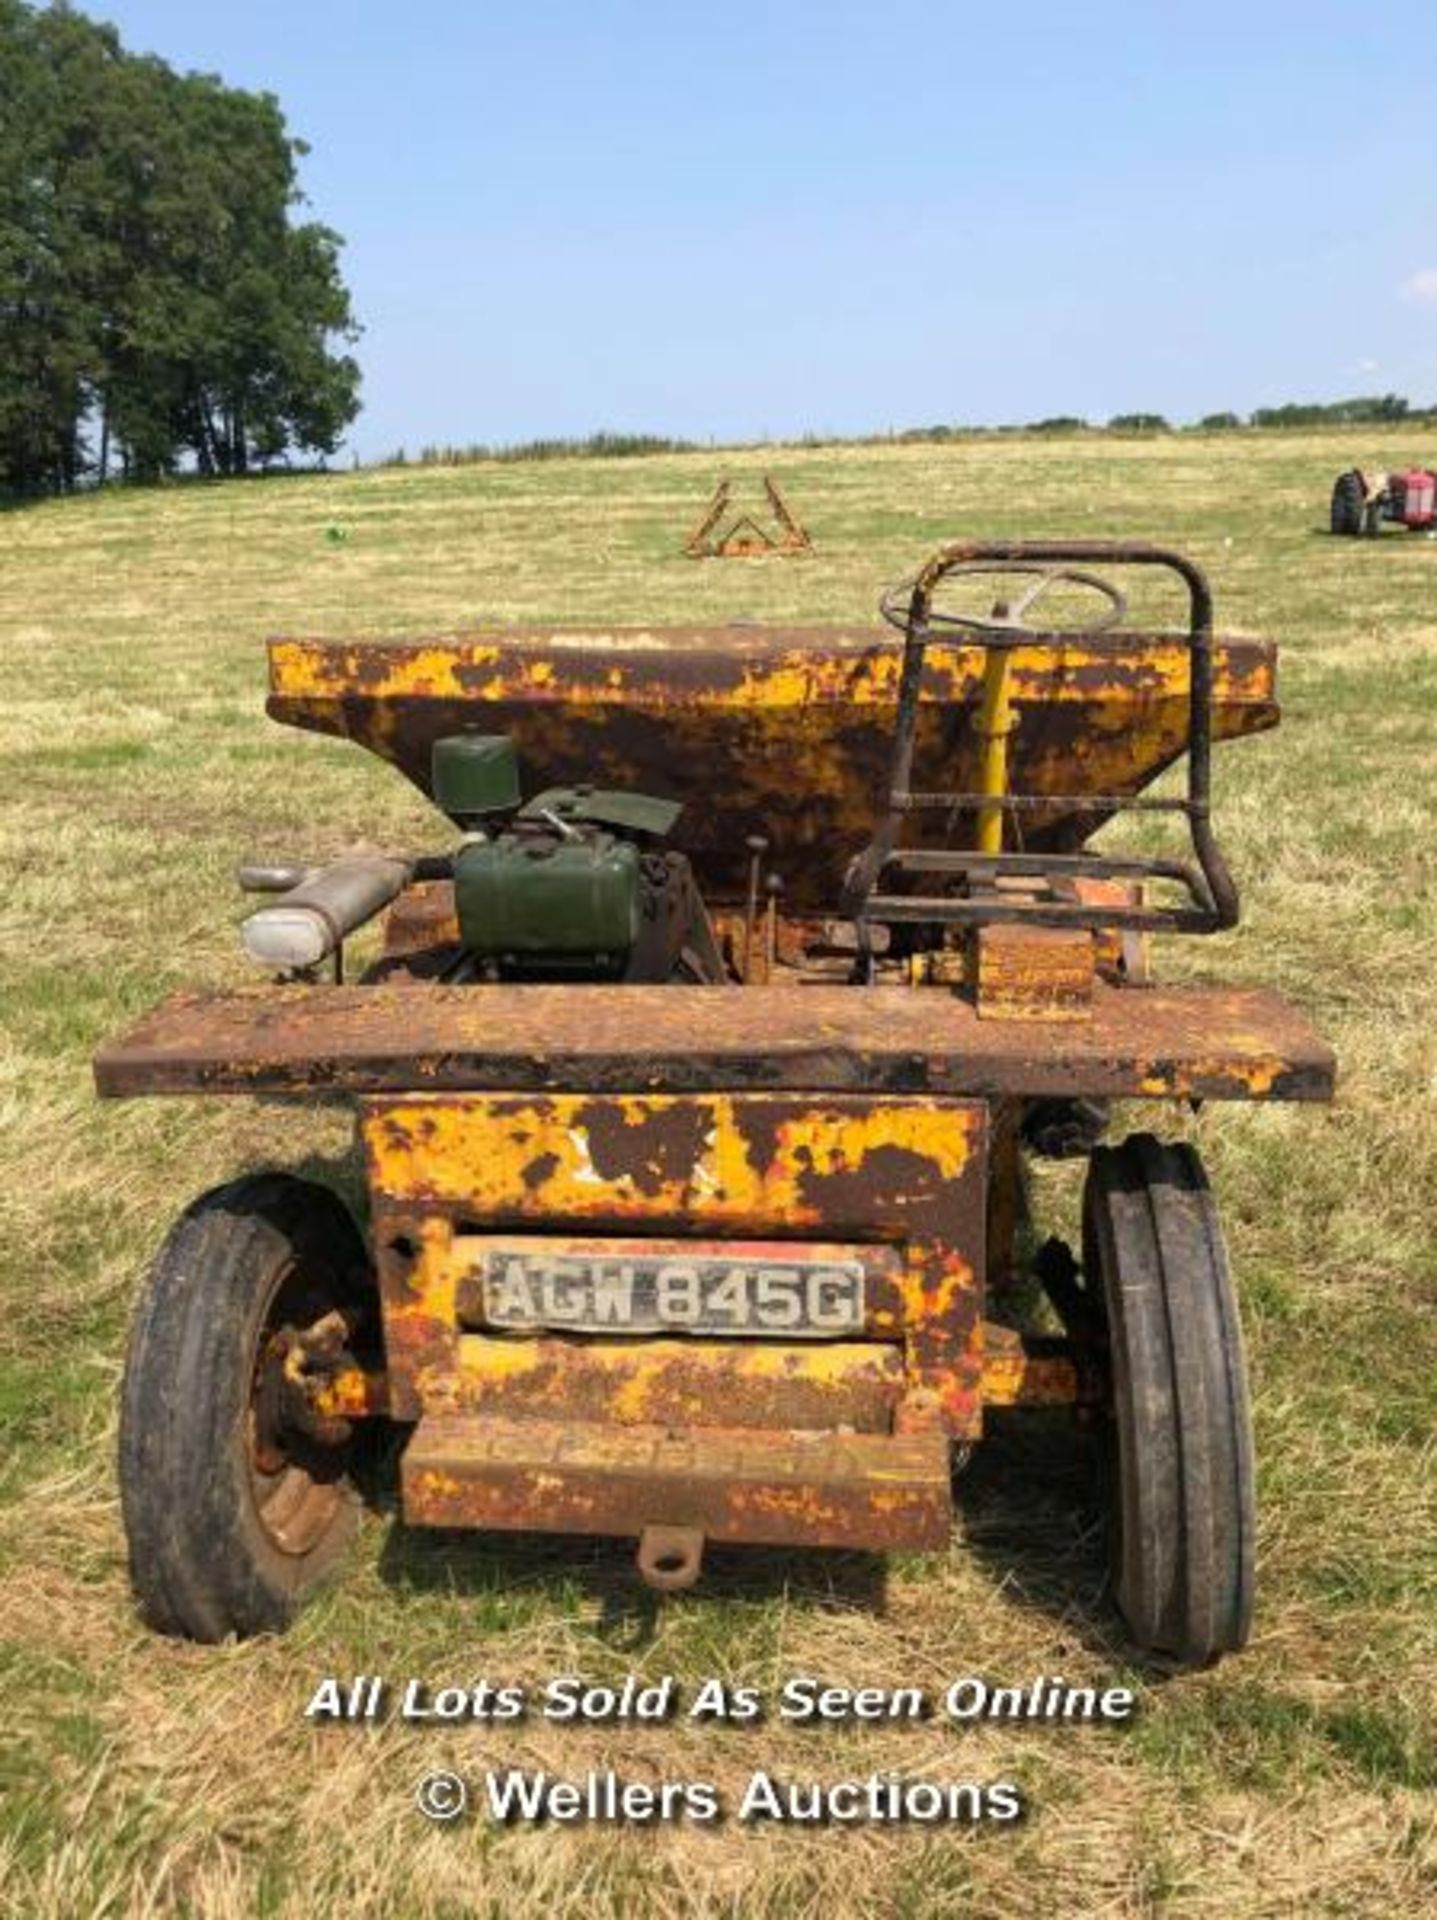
(315, 918)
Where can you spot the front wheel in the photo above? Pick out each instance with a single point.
(234, 1508)
(1183, 1525)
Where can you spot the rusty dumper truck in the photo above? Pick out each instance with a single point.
(696, 1081)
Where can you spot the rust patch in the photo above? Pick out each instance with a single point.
(654, 1147)
(795, 725)
(678, 1383)
(905, 1174)
(1033, 973)
(1032, 1370)
(773, 1488)
(1175, 1043)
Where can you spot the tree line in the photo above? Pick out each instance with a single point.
(160, 306)
(1387, 409)
(1383, 409)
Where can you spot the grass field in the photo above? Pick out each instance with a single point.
(139, 1776)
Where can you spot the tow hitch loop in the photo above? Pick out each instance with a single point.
(670, 1557)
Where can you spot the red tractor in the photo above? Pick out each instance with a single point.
(1361, 502)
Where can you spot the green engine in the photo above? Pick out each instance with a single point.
(530, 894)
(573, 884)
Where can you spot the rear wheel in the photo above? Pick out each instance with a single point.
(1349, 504)
(1183, 1521)
(235, 1506)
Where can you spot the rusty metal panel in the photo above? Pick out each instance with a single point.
(804, 1167)
(882, 1492)
(1210, 1043)
(1028, 1370)
(910, 1173)
(1033, 973)
(421, 918)
(676, 1383)
(792, 727)
(770, 1381)
(853, 1384)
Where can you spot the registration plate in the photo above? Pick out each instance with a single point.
(673, 1293)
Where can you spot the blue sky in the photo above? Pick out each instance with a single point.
(745, 221)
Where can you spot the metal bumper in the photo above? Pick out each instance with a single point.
(771, 1488)
(1210, 1043)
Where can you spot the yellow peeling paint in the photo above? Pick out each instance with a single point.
(644, 669)
(506, 1157)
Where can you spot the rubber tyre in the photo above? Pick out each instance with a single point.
(1183, 1507)
(1349, 504)
(203, 1561)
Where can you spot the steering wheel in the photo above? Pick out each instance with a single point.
(1009, 616)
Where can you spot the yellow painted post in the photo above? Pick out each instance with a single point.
(996, 721)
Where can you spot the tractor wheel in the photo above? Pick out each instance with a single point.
(233, 1512)
(1349, 504)
(1183, 1520)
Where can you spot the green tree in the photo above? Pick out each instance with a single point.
(229, 346)
(47, 314)
(157, 298)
